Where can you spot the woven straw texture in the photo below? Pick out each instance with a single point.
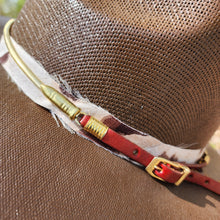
(153, 64)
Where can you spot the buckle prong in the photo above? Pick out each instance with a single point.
(158, 168)
(154, 165)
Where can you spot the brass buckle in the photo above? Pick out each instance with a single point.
(153, 165)
(204, 159)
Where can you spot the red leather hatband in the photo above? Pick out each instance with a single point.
(167, 171)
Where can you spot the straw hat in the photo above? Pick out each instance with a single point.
(146, 68)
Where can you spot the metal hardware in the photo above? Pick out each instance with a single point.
(205, 158)
(53, 95)
(96, 128)
(154, 165)
(60, 101)
(16, 57)
(78, 117)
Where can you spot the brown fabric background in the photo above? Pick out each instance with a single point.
(47, 173)
(153, 64)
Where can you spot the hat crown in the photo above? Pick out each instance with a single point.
(152, 65)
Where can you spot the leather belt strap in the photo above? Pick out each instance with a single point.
(157, 167)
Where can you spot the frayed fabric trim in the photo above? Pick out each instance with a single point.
(147, 142)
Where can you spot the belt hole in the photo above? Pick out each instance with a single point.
(135, 152)
(206, 181)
